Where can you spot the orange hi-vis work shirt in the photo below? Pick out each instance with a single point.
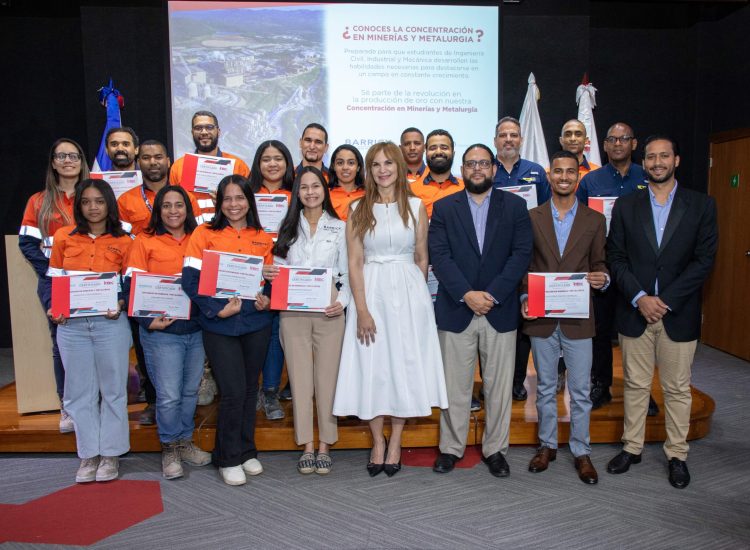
(75, 253)
(30, 223)
(254, 242)
(341, 199)
(419, 175)
(204, 199)
(431, 191)
(136, 205)
(156, 253)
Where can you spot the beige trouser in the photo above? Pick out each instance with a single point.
(497, 353)
(312, 348)
(674, 359)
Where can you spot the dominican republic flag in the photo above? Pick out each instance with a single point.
(586, 100)
(533, 147)
(113, 101)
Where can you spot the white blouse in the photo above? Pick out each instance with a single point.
(326, 248)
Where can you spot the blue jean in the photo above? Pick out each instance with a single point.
(175, 366)
(95, 353)
(274, 363)
(578, 356)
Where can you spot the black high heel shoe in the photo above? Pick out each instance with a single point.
(374, 469)
(391, 469)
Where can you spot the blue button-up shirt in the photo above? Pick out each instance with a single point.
(607, 182)
(524, 172)
(563, 227)
(479, 216)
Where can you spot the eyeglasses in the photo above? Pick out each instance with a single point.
(206, 127)
(614, 139)
(508, 135)
(472, 164)
(60, 157)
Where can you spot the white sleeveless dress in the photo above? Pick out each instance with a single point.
(401, 374)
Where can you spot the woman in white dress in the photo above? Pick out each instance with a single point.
(390, 361)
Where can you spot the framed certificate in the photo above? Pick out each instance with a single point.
(302, 288)
(526, 192)
(202, 173)
(85, 295)
(153, 295)
(603, 205)
(560, 295)
(271, 210)
(226, 274)
(120, 182)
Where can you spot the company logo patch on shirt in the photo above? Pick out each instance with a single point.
(332, 228)
(114, 249)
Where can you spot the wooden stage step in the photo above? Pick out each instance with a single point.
(39, 432)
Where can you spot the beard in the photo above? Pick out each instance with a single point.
(478, 188)
(661, 179)
(122, 161)
(440, 165)
(206, 148)
(153, 179)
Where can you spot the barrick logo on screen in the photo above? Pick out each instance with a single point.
(363, 142)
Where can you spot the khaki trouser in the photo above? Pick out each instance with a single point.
(674, 359)
(312, 347)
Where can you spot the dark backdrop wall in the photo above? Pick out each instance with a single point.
(675, 67)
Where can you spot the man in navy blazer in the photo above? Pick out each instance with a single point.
(661, 248)
(480, 243)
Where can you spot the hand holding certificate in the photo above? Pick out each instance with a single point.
(558, 295)
(202, 173)
(84, 295)
(153, 295)
(302, 289)
(227, 275)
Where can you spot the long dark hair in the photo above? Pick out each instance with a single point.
(113, 226)
(220, 221)
(156, 224)
(52, 197)
(288, 231)
(256, 178)
(359, 178)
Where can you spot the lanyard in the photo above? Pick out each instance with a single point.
(145, 198)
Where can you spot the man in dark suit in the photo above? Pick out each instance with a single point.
(661, 248)
(570, 238)
(480, 246)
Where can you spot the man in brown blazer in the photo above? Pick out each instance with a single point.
(568, 238)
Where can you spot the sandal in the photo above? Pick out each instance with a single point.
(323, 464)
(306, 463)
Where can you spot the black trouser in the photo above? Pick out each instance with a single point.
(236, 362)
(604, 317)
(523, 349)
(142, 370)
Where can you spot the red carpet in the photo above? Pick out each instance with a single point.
(81, 514)
(426, 456)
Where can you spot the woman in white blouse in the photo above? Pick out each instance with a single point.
(312, 235)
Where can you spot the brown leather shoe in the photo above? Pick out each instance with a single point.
(542, 458)
(586, 471)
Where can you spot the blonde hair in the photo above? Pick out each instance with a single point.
(363, 218)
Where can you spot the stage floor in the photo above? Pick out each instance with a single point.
(39, 432)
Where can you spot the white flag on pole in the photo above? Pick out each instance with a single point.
(586, 100)
(533, 148)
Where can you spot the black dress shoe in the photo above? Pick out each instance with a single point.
(475, 404)
(445, 463)
(621, 463)
(391, 469)
(679, 476)
(519, 392)
(374, 469)
(497, 464)
(600, 396)
(653, 408)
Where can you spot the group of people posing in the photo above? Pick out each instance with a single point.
(382, 349)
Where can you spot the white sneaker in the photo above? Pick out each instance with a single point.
(108, 468)
(252, 467)
(87, 470)
(234, 475)
(66, 422)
